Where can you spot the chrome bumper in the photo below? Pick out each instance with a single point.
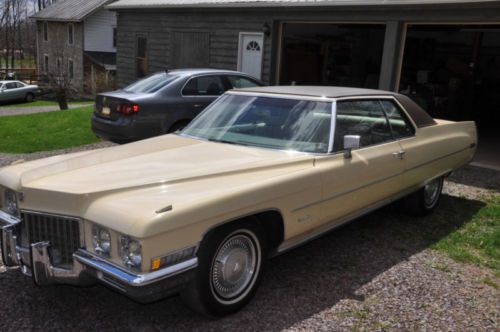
(89, 269)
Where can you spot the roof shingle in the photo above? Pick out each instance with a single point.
(70, 10)
(129, 4)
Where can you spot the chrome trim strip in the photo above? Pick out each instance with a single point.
(436, 159)
(129, 278)
(333, 123)
(8, 219)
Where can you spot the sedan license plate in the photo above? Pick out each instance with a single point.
(106, 111)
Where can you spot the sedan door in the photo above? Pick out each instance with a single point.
(10, 91)
(199, 92)
(373, 173)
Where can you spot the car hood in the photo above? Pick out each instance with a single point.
(162, 160)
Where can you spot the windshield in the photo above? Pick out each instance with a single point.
(274, 123)
(151, 83)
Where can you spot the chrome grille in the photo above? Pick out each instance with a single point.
(63, 233)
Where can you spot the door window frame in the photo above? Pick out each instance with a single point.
(203, 75)
(371, 97)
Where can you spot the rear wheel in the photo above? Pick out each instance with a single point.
(229, 271)
(424, 201)
(29, 97)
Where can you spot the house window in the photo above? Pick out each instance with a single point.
(141, 59)
(45, 63)
(59, 61)
(71, 71)
(45, 31)
(114, 37)
(71, 33)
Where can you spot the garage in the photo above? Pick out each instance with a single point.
(453, 70)
(331, 54)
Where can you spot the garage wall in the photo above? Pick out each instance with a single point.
(161, 29)
(224, 26)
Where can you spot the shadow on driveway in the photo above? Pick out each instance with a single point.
(296, 285)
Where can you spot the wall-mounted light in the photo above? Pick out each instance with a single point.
(266, 29)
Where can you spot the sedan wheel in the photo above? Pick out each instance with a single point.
(423, 202)
(229, 270)
(29, 97)
(235, 266)
(431, 192)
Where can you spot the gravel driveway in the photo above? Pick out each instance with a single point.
(376, 273)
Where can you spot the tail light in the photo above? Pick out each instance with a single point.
(127, 108)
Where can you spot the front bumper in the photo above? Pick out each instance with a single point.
(89, 269)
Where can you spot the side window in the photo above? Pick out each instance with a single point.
(204, 86)
(365, 118)
(45, 31)
(239, 82)
(9, 86)
(71, 33)
(400, 125)
(20, 85)
(141, 57)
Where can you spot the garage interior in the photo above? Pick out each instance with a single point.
(331, 54)
(453, 71)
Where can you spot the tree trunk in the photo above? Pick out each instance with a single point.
(61, 99)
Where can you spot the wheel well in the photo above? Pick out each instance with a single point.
(270, 221)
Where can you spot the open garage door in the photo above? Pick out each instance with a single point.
(453, 71)
(331, 54)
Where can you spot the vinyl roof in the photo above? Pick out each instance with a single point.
(129, 4)
(70, 10)
(318, 91)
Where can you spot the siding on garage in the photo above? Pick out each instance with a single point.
(224, 26)
(161, 29)
(98, 31)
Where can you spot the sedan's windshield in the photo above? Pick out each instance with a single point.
(275, 123)
(151, 83)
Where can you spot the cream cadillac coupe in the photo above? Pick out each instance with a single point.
(260, 171)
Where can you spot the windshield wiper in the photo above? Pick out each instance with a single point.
(224, 141)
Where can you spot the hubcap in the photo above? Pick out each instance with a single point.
(234, 266)
(431, 192)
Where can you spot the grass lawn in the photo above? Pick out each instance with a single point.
(38, 103)
(477, 241)
(46, 131)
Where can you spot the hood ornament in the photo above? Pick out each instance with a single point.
(165, 209)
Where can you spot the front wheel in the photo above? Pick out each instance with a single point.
(423, 202)
(229, 271)
(29, 97)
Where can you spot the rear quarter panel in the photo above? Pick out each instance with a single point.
(437, 150)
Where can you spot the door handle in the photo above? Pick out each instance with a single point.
(197, 105)
(399, 154)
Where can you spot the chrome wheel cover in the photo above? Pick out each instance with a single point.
(431, 192)
(235, 267)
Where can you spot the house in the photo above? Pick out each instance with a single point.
(77, 39)
(444, 53)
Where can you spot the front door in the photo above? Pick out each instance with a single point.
(372, 174)
(251, 49)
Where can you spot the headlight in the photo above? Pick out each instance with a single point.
(101, 239)
(10, 202)
(131, 252)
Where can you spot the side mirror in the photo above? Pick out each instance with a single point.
(351, 142)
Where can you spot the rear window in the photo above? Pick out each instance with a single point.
(151, 83)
